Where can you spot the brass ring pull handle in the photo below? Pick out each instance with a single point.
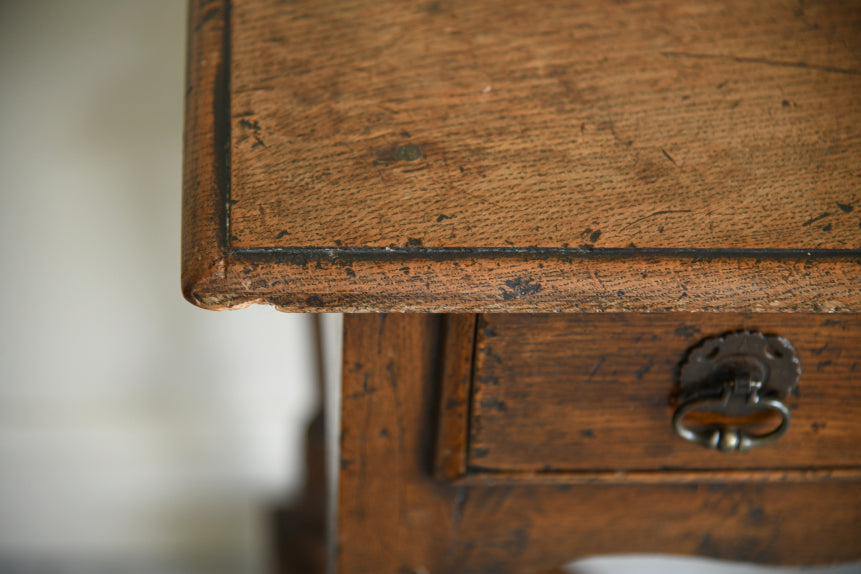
(729, 438)
(736, 375)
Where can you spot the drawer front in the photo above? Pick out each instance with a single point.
(594, 393)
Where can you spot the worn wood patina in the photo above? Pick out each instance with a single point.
(549, 156)
(653, 159)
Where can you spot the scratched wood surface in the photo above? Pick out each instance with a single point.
(395, 518)
(580, 393)
(442, 156)
(675, 124)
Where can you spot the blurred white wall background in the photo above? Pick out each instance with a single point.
(137, 433)
(135, 429)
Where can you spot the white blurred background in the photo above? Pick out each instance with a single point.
(137, 433)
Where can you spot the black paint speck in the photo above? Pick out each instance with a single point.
(785, 103)
(845, 207)
(668, 156)
(595, 235)
(520, 288)
(408, 152)
(453, 404)
(755, 514)
(282, 234)
(488, 379)
(638, 374)
(414, 242)
(587, 433)
(687, 331)
(255, 128)
(819, 351)
(314, 301)
(480, 452)
(494, 405)
(443, 217)
(826, 227)
(350, 272)
(813, 220)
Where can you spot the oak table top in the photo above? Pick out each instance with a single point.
(523, 156)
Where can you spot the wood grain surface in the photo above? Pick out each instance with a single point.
(329, 280)
(206, 133)
(676, 124)
(595, 393)
(391, 516)
(441, 156)
(452, 435)
(396, 519)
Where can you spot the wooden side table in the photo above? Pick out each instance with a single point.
(587, 248)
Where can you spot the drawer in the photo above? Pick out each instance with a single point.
(592, 396)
